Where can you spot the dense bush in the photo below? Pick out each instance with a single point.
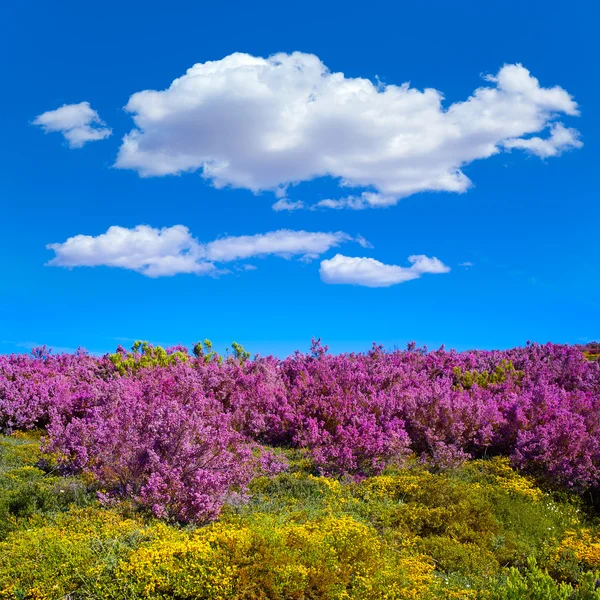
(36, 388)
(355, 413)
(29, 486)
(157, 440)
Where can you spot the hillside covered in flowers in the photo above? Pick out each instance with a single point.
(165, 473)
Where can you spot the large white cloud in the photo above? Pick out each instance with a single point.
(373, 273)
(79, 123)
(171, 250)
(261, 124)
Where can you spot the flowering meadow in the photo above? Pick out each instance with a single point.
(170, 473)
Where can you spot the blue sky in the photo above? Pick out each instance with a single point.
(527, 222)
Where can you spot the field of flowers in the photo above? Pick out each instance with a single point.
(164, 473)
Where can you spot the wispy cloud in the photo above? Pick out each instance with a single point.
(285, 204)
(561, 138)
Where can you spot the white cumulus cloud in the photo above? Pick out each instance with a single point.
(265, 123)
(152, 252)
(79, 123)
(172, 250)
(373, 273)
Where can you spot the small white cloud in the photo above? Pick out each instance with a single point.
(269, 123)
(561, 139)
(424, 264)
(373, 273)
(466, 264)
(285, 204)
(172, 250)
(79, 123)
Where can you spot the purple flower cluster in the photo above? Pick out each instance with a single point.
(179, 438)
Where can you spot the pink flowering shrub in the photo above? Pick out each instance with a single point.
(341, 414)
(560, 435)
(175, 431)
(253, 393)
(34, 388)
(156, 439)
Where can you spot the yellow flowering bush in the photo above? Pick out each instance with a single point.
(334, 557)
(584, 545)
(395, 487)
(497, 472)
(471, 520)
(74, 552)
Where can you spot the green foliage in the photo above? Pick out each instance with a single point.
(144, 355)
(484, 504)
(239, 353)
(452, 556)
(204, 350)
(483, 379)
(27, 490)
(534, 583)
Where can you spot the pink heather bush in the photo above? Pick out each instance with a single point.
(175, 432)
(156, 439)
(560, 436)
(33, 388)
(253, 393)
(342, 414)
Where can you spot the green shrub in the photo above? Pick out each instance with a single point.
(143, 355)
(534, 583)
(452, 556)
(504, 371)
